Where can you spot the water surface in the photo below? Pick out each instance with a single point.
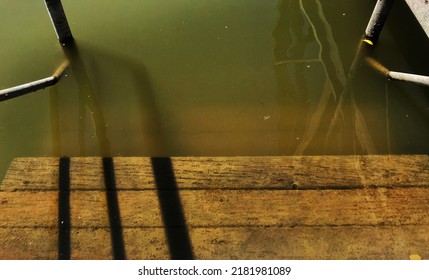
(211, 78)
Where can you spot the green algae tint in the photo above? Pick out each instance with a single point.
(211, 78)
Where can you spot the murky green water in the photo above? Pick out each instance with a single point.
(210, 78)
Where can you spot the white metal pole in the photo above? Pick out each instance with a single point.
(398, 76)
(377, 20)
(16, 91)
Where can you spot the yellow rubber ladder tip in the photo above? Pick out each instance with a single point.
(368, 41)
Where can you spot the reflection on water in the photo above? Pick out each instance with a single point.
(87, 99)
(310, 43)
(210, 78)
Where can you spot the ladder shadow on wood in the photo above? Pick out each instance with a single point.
(64, 224)
(118, 246)
(64, 240)
(172, 212)
(173, 217)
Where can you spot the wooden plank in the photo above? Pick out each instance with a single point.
(86, 173)
(229, 243)
(40, 209)
(91, 244)
(310, 243)
(20, 243)
(291, 172)
(420, 10)
(284, 208)
(360, 224)
(234, 208)
(32, 173)
(29, 209)
(29, 225)
(211, 208)
(343, 242)
(17, 243)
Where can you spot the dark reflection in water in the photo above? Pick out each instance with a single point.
(316, 88)
(88, 100)
(55, 123)
(408, 104)
(115, 106)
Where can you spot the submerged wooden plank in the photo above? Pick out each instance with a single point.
(91, 244)
(407, 206)
(283, 207)
(234, 208)
(313, 243)
(343, 242)
(17, 243)
(40, 209)
(290, 172)
(38, 173)
(28, 209)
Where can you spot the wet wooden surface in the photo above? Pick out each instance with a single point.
(345, 207)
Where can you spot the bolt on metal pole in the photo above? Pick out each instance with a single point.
(377, 20)
(59, 21)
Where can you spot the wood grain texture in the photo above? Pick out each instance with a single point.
(17, 243)
(352, 207)
(32, 173)
(294, 172)
(318, 243)
(211, 208)
(343, 242)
